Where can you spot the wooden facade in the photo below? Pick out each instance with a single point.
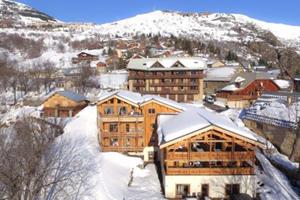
(211, 152)
(182, 85)
(121, 125)
(251, 91)
(60, 106)
(126, 126)
(201, 158)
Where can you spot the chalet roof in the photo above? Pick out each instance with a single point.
(245, 78)
(189, 63)
(72, 95)
(133, 97)
(137, 98)
(221, 73)
(194, 119)
(163, 100)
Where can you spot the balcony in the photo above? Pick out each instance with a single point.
(210, 156)
(165, 92)
(211, 171)
(122, 118)
(172, 84)
(122, 149)
(133, 133)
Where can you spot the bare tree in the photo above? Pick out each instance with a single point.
(83, 81)
(34, 164)
(48, 74)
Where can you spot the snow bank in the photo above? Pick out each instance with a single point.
(111, 171)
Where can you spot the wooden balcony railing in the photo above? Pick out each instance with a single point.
(211, 171)
(122, 149)
(137, 133)
(165, 92)
(122, 118)
(210, 156)
(170, 84)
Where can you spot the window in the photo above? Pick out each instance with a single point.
(151, 111)
(119, 101)
(204, 190)
(182, 190)
(193, 72)
(113, 127)
(114, 142)
(127, 128)
(122, 110)
(108, 110)
(231, 189)
(111, 101)
(193, 88)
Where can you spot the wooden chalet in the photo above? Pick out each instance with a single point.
(245, 88)
(127, 121)
(84, 57)
(63, 104)
(204, 155)
(179, 79)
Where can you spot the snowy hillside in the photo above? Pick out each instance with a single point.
(22, 13)
(217, 26)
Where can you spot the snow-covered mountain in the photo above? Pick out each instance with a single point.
(214, 26)
(18, 12)
(249, 38)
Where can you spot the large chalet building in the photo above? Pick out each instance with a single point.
(202, 154)
(127, 121)
(179, 79)
(245, 88)
(63, 104)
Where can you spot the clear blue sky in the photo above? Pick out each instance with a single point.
(102, 11)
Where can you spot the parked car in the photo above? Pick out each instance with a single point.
(209, 99)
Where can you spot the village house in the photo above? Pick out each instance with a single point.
(179, 79)
(84, 57)
(245, 88)
(275, 116)
(63, 104)
(127, 121)
(100, 67)
(202, 154)
(217, 78)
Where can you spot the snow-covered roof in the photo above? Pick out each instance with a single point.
(193, 119)
(244, 79)
(137, 98)
(283, 84)
(72, 95)
(220, 73)
(133, 97)
(279, 109)
(187, 63)
(163, 100)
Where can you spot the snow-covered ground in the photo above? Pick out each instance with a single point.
(111, 171)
